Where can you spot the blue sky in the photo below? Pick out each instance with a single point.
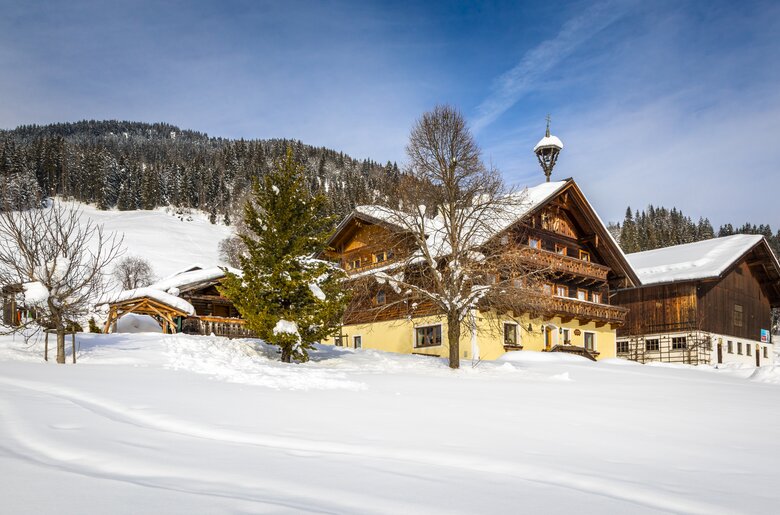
(670, 103)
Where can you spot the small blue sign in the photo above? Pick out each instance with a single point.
(764, 336)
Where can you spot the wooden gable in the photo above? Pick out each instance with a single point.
(566, 219)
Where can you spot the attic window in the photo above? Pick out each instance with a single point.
(534, 243)
(584, 255)
(379, 257)
(737, 315)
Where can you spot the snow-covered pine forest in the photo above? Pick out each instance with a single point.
(133, 165)
(658, 227)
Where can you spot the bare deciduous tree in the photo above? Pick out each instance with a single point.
(231, 249)
(449, 212)
(134, 272)
(64, 257)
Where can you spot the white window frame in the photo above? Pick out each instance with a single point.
(414, 336)
(517, 332)
(595, 340)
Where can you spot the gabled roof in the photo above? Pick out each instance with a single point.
(528, 201)
(707, 259)
(192, 279)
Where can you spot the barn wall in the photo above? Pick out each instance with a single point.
(717, 300)
(658, 308)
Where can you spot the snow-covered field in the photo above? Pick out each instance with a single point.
(147, 423)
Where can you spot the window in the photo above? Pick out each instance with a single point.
(766, 354)
(652, 344)
(566, 338)
(622, 347)
(560, 249)
(747, 349)
(358, 341)
(381, 297)
(730, 347)
(355, 263)
(510, 334)
(504, 239)
(428, 336)
(590, 340)
(737, 315)
(379, 257)
(534, 243)
(584, 255)
(338, 341)
(561, 290)
(596, 297)
(582, 294)
(548, 289)
(739, 347)
(679, 342)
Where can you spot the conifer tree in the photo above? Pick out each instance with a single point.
(288, 297)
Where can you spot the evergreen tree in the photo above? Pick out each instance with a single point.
(629, 238)
(289, 298)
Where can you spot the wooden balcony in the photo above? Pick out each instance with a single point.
(566, 307)
(218, 326)
(560, 264)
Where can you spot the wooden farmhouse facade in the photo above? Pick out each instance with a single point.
(557, 234)
(187, 302)
(707, 302)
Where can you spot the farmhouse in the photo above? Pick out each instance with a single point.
(557, 233)
(187, 302)
(703, 302)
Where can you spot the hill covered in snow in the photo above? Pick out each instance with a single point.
(171, 240)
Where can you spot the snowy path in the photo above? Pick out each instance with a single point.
(610, 438)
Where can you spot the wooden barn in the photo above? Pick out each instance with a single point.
(704, 302)
(188, 302)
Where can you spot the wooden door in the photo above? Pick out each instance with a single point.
(720, 353)
(758, 355)
(547, 338)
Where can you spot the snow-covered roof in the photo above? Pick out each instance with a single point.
(691, 261)
(492, 222)
(154, 294)
(549, 141)
(505, 213)
(194, 277)
(34, 293)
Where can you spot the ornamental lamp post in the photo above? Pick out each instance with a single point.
(547, 151)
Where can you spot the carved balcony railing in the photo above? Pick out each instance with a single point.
(582, 310)
(541, 304)
(558, 263)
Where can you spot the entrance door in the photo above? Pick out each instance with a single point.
(720, 353)
(758, 355)
(547, 338)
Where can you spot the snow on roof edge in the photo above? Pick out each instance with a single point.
(679, 263)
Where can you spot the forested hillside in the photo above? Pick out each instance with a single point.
(658, 227)
(132, 165)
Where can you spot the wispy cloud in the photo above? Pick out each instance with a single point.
(537, 62)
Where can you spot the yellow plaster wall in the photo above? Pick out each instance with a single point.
(398, 335)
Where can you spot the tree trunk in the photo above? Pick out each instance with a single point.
(286, 354)
(73, 345)
(45, 345)
(61, 345)
(453, 339)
